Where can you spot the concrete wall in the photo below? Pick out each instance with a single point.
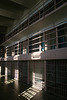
(47, 55)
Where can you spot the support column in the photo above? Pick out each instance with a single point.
(45, 74)
(28, 46)
(28, 72)
(39, 44)
(54, 4)
(56, 38)
(0, 70)
(43, 8)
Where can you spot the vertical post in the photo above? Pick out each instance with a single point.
(45, 74)
(28, 17)
(28, 72)
(43, 8)
(54, 4)
(43, 41)
(5, 53)
(6, 71)
(0, 70)
(39, 14)
(28, 47)
(56, 38)
(14, 49)
(18, 69)
(18, 48)
(39, 44)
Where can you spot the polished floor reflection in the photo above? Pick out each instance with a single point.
(21, 91)
(29, 93)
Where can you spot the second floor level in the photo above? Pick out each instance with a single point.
(44, 8)
(45, 44)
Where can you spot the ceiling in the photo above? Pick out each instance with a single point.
(12, 10)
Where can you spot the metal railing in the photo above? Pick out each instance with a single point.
(30, 18)
(48, 43)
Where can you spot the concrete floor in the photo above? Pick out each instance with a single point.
(10, 91)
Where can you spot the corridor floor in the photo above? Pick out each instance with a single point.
(14, 90)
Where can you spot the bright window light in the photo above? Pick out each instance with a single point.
(12, 53)
(16, 85)
(6, 78)
(24, 51)
(0, 70)
(6, 71)
(16, 74)
(36, 55)
(29, 93)
(37, 81)
(45, 46)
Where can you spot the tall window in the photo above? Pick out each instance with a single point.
(12, 50)
(50, 39)
(33, 44)
(24, 47)
(59, 2)
(17, 49)
(49, 7)
(2, 51)
(62, 36)
(8, 50)
(36, 43)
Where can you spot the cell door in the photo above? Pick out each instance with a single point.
(2, 68)
(14, 69)
(37, 73)
(8, 69)
(23, 71)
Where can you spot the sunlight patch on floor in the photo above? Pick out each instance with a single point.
(9, 81)
(29, 93)
(2, 75)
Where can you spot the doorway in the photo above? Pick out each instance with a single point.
(37, 74)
